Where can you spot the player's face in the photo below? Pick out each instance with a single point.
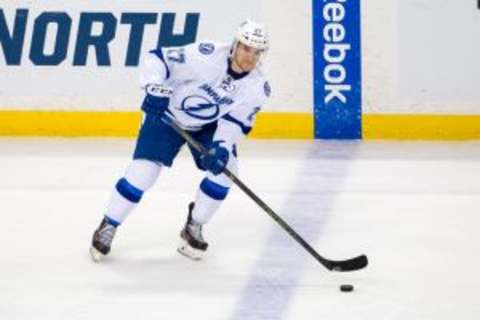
(246, 58)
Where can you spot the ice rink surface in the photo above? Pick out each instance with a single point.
(412, 207)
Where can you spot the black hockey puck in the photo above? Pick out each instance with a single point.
(346, 288)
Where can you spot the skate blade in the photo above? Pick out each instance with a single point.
(185, 249)
(96, 255)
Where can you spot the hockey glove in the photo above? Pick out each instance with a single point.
(157, 99)
(217, 158)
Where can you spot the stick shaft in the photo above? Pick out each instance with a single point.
(200, 148)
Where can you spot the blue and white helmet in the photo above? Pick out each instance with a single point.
(252, 34)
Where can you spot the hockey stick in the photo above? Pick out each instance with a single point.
(332, 265)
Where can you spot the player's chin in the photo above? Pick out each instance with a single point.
(247, 67)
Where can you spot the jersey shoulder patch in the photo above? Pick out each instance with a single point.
(267, 89)
(206, 48)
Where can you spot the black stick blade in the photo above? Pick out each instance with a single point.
(353, 264)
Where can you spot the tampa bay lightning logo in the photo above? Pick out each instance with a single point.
(200, 107)
(206, 48)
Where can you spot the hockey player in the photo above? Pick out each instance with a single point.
(211, 90)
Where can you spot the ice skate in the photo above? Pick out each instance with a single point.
(102, 240)
(192, 244)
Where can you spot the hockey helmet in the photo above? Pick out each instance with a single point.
(252, 34)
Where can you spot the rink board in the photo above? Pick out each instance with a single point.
(269, 125)
(126, 124)
(72, 71)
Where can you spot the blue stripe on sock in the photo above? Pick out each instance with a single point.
(213, 190)
(128, 191)
(111, 221)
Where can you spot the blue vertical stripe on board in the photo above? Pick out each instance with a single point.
(337, 69)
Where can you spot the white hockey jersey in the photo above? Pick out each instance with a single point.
(203, 91)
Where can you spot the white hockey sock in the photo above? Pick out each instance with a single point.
(118, 207)
(205, 208)
(139, 177)
(209, 197)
